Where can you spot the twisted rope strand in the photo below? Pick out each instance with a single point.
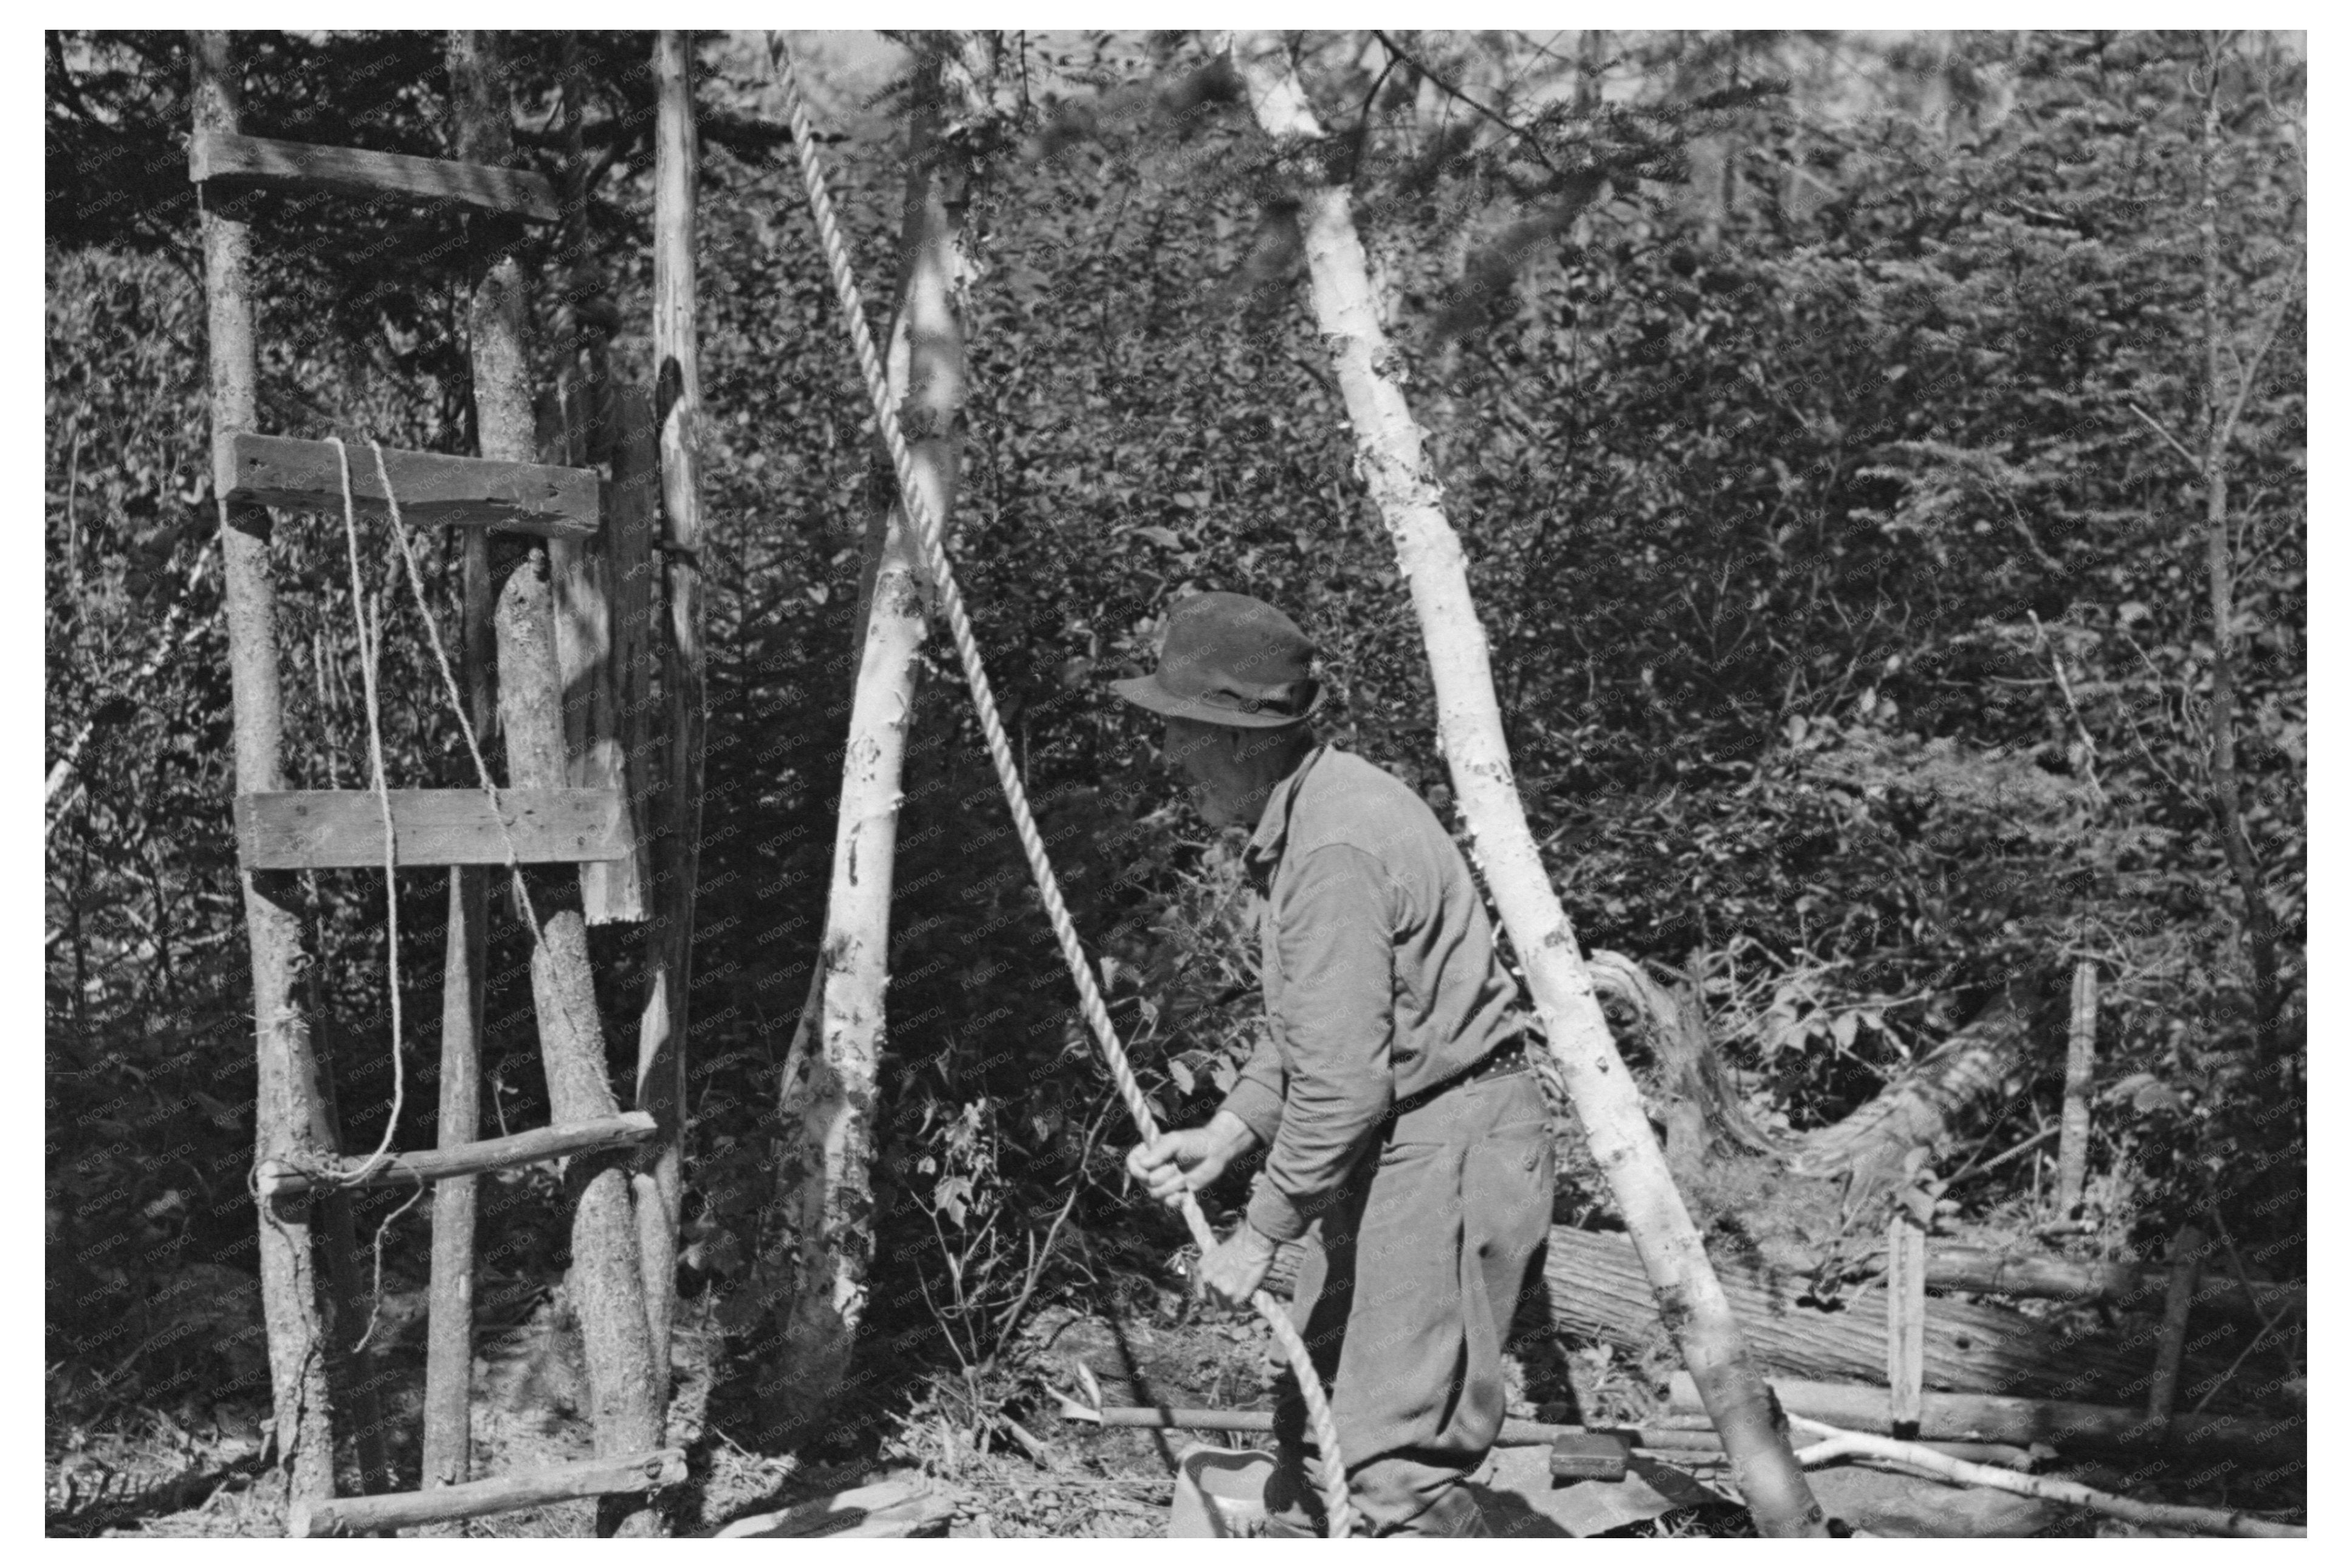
(1340, 1513)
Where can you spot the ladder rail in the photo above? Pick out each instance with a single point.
(293, 1081)
(296, 1153)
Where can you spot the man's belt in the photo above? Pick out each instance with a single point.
(1504, 1059)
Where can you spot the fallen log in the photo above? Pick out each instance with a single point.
(2132, 1286)
(1595, 1289)
(1924, 1107)
(2240, 1444)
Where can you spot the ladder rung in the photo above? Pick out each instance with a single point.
(319, 829)
(257, 163)
(433, 488)
(277, 1179)
(499, 1494)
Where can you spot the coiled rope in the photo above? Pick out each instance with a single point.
(1339, 1513)
(370, 631)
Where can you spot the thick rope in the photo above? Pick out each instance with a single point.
(1340, 1513)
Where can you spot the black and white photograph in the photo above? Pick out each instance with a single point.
(977, 783)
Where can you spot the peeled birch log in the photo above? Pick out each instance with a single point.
(1398, 476)
(1837, 1445)
(825, 1177)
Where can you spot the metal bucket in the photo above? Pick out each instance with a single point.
(1220, 1493)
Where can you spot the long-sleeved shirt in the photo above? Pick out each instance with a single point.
(1380, 973)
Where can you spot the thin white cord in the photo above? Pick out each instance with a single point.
(371, 640)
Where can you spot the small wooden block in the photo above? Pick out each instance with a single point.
(1906, 1324)
(1588, 1456)
(256, 163)
(432, 488)
(306, 830)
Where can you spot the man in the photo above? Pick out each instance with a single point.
(1390, 1091)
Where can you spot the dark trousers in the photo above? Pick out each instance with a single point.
(1407, 1303)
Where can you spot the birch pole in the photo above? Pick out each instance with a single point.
(1470, 730)
(825, 1177)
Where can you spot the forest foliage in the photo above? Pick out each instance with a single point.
(1818, 414)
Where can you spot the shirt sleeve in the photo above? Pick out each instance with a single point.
(1256, 1095)
(1333, 936)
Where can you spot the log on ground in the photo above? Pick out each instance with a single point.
(1596, 1290)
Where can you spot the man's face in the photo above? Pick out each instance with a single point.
(1204, 753)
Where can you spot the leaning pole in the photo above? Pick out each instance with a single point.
(1388, 455)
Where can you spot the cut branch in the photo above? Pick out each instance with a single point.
(1839, 1444)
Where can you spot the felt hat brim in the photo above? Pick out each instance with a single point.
(1145, 691)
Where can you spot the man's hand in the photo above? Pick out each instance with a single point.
(1236, 1268)
(1177, 1162)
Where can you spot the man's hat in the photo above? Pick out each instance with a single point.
(1229, 659)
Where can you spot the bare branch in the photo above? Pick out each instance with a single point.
(2166, 434)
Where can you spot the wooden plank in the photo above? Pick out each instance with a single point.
(589, 650)
(499, 1494)
(1907, 1322)
(278, 1179)
(432, 487)
(229, 162)
(303, 830)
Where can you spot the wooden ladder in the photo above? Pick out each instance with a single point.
(566, 819)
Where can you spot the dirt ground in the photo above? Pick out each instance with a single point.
(998, 1448)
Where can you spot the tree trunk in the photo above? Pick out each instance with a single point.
(824, 1178)
(1388, 455)
(662, 1028)
(604, 1264)
(1922, 1108)
(2222, 723)
(289, 1112)
(1702, 1111)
